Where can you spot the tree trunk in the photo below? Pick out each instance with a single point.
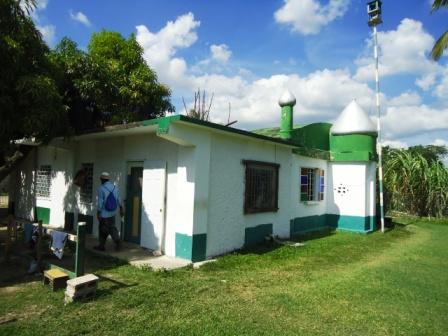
(11, 162)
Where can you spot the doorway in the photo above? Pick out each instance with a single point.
(134, 183)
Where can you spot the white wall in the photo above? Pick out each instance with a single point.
(350, 177)
(227, 221)
(114, 154)
(304, 209)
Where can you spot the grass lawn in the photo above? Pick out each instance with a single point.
(342, 284)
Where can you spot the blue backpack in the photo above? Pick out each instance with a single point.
(111, 202)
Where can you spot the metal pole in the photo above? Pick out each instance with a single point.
(378, 143)
(80, 249)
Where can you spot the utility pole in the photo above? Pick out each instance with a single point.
(374, 11)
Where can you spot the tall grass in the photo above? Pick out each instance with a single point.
(415, 185)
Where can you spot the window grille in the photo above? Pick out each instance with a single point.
(43, 181)
(85, 192)
(261, 191)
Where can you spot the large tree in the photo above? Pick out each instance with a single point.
(110, 83)
(442, 42)
(30, 104)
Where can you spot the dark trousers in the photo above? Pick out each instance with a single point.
(106, 228)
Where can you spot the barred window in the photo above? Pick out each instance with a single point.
(86, 188)
(43, 181)
(312, 184)
(261, 193)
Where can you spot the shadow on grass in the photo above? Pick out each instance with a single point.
(111, 285)
(15, 271)
(271, 245)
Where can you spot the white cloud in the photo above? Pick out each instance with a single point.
(405, 99)
(321, 95)
(414, 119)
(402, 51)
(220, 52)
(160, 48)
(440, 142)
(80, 17)
(309, 16)
(395, 144)
(48, 33)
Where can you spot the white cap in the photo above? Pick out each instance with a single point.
(105, 176)
(353, 120)
(287, 99)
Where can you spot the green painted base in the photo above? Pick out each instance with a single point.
(308, 224)
(255, 235)
(191, 247)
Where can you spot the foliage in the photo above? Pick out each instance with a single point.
(110, 83)
(31, 105)
(416, 181)
(442, 43)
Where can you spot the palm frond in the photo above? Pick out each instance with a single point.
(437, 4)
(440, 46)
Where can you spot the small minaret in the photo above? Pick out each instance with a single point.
(352, 171)
(287, 102)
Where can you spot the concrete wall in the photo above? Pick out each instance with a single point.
(113, 155)
(227, 223)
(351, 200)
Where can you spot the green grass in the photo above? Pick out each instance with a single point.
(342, 284)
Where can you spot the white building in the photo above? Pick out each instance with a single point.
(196, 189)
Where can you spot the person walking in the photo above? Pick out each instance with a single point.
(109, 202)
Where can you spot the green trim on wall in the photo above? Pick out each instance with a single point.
(352, 223)
(43, 214)
(191, 247)
(353, 147)
(307, 224)
(165, 122)
(255, 235)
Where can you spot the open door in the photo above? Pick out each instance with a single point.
(132, 222)
(153, 214)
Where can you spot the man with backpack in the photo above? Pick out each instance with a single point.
(108, 203)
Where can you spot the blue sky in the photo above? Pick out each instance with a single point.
(248, 52)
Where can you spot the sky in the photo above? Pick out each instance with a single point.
(247, 53)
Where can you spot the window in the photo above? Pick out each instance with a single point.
(43, 181)
(312, 184)
(261, 194)
(86, 187)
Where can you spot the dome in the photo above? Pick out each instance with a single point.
(353, 120)
(287, 99)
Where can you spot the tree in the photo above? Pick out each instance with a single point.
(30, 104)
(110, 83)
(442, 42)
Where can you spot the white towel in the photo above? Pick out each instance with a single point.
(57, 243)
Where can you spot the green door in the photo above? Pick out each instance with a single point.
(132, 226)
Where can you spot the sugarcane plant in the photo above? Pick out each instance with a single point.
(415, 184)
